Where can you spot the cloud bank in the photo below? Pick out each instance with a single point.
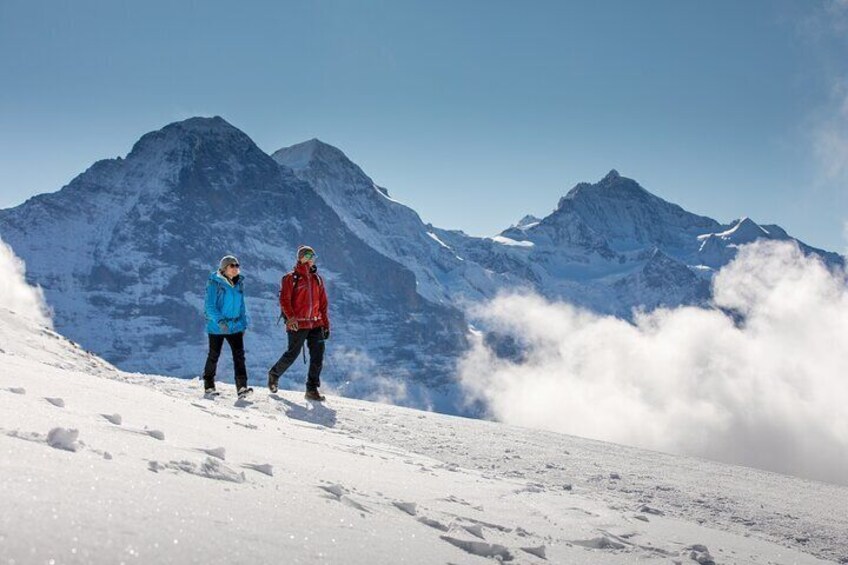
(766, 386)
(16, 295)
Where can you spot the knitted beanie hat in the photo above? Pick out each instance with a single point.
(226, 261)
(303, 249)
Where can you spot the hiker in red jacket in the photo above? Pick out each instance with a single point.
(303, 305)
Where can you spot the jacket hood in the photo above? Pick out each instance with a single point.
(217, 277)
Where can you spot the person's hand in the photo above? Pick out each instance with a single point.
(291, 325)
(222, 325)
(326, 333)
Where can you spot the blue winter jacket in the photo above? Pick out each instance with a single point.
(225, 302)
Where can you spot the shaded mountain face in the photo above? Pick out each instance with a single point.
(123, 253)
(391, 228)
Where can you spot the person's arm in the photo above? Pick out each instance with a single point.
(286, 303)
(286, 288)
(212, 311)
(243, 312)
(324, 305)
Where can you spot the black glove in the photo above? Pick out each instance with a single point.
(325, 332)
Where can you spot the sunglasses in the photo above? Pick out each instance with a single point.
(234, 265)
(308, 254)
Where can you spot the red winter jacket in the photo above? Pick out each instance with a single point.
(303, 297)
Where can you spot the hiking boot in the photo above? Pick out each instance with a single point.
(272, 382)
(244, 392)
(314, 395)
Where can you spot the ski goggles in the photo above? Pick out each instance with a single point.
(308, 255)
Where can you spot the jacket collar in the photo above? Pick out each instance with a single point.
(221, 279)
(301, 269)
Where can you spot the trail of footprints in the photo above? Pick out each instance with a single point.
(462, 531)
(459, 530)
(212, 467)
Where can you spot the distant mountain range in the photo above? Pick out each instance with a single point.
(123, 252)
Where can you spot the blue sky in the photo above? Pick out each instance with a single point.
(473, 113)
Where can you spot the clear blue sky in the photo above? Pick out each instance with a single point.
(473, 113)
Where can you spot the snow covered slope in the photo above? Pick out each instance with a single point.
(390, 227)
(102, 466)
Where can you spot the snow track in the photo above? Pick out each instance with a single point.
(143, 470)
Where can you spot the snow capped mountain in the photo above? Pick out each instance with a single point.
(123, 252)
(613, 246)
(105, 466)
(388, 226)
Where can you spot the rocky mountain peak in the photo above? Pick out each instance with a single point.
(302, 155)
(191, 131)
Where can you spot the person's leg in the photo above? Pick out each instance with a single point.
(315, 343)
(236, 342)
(284, 362)
(215, 344)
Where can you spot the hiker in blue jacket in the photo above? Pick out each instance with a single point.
(226, 319)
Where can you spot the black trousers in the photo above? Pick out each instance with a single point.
(314, 339)
(216, 342)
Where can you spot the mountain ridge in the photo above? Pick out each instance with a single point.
(124, 249)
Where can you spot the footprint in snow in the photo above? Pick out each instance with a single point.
(58, 402)
(482, 549)
(433, 523)
(408, 507)
(17, 390)
(210, 468)
(601, 542)
(475, 530)
(466, 521)
(156, 434)
(700, 554)
(537, 551)
(339, 493)
(113, 418)
(457, 500)
(62, 438)
(217, 453)
(645, 509)
(264, 468)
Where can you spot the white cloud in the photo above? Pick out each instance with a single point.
(769, 392)
(365, 379)
(16, 295)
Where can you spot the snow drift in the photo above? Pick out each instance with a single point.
(758, 380)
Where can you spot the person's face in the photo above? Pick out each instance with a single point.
(233, 270)
(308, 258)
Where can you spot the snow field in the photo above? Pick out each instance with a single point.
(158, 474)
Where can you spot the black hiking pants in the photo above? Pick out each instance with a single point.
(314, 339)
(216, 343)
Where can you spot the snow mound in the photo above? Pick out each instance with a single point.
(61, 438)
